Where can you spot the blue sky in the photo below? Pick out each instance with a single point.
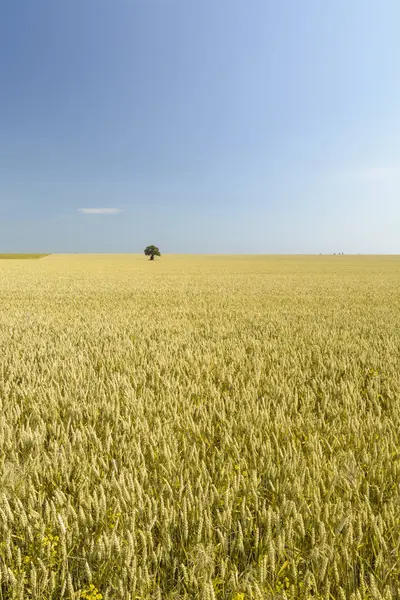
(234, 126)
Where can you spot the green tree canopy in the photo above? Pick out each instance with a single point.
(152, 251)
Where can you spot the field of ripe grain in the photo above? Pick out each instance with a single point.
(200, 428)
(21, 256)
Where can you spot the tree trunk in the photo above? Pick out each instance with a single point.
(152, 257)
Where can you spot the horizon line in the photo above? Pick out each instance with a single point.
(205, 253)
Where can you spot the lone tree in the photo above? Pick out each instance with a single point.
(152, 251)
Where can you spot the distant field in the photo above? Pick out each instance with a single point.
(200, 428)
(21, 256)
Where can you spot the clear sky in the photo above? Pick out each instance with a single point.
(251, 126)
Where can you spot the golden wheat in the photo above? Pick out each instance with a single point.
(200, 428)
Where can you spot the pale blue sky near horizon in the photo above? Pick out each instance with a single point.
(203, 127)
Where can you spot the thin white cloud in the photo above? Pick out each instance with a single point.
(377, 173)
(100, 211)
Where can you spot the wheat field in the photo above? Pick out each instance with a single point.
(21, 256)
(200, 427)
